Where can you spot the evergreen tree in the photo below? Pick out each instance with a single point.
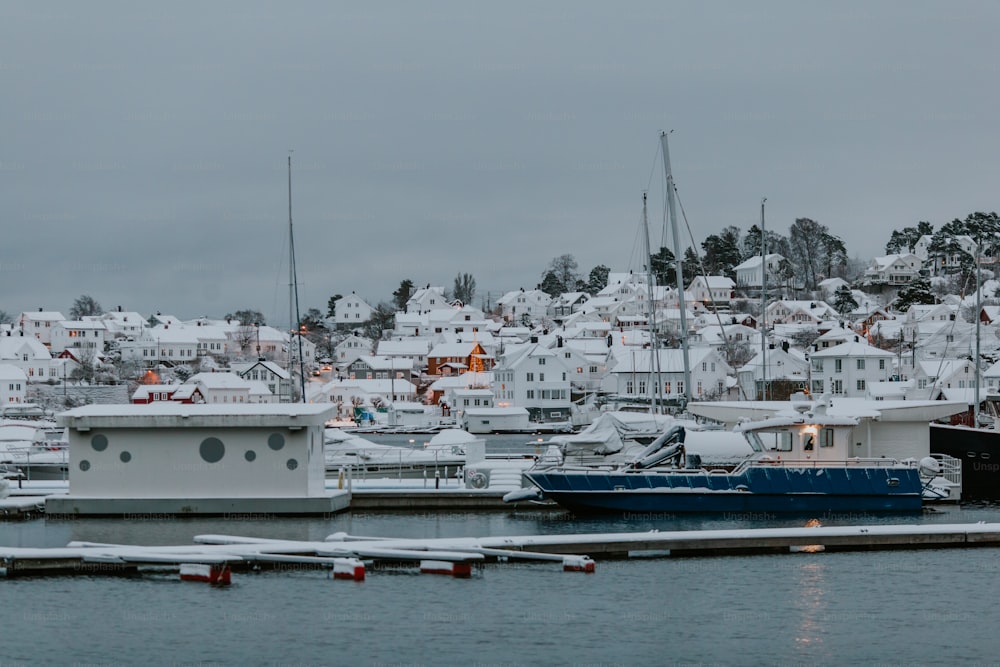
(843, 300)
(597, 280)
(331, 304)
(917, 292)
(403, 294)
(722, 252)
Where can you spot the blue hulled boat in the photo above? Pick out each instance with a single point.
(800, 462)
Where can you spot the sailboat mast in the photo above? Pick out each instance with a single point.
(678, 255)
(763, 304)
(293, 290)
(654, 344)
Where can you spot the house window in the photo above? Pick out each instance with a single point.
(838, 365)
(531, 393)
(861, 364)
(861, 385)
(881, 364)
(541, 377)
(642, 386)
(680, 387)
(704, 366)
(666, 388)
(541, 361)
(837, 386)
(628, 386)
(593, 369)
(530, 377)
(817, 387)
(699, 387)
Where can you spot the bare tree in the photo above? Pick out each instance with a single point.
(465, 288)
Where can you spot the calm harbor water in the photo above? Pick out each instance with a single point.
(935, 607)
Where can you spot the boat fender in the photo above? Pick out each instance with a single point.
(477, 480)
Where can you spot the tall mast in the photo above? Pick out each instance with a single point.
(763, 304)
(979, 310)
(293, 289)
(654, 344)
(671, 208)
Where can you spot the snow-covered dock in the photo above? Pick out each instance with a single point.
(455, 555)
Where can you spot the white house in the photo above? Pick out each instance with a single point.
(349, 392)
(426, 299)
(351, 310)
(847, 369)
(38, 324)
(712, 290)
(750, 275)
(87, 335)
(231, 388)
(776, 364)
(792, 311)
(894, 270)
(277, 380)
(13, 384)
(533, 377)
(932, 378)
(519, 304)
(162, 344)
(632, 378)
(350, 349)
(31, 356)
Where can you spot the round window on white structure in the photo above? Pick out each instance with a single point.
(125, 457)
(212, 450)
(292, 464)
(84, 465)
(99, 443)
(250, 455)
(276, 441)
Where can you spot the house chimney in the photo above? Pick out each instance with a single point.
(534, 339)
(558, 341)
(784, 346)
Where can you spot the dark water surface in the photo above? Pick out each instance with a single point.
(887, 608)
(929, 607)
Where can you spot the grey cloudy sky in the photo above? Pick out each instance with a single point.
(144, 150)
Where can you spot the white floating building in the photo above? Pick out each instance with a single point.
(196, 459)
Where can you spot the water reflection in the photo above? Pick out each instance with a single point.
(810, 604)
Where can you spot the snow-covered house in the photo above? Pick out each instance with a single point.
(829, 287)
(38, 324)
(932, 378)
(454, 358)
(847, 369)
(566, 304)
(790, 311)
(124, 323)
(13, 384)
(893, 270)
(230, 388)
(712, 291)
(749, 274)
(351, 310)
(778, 365)
(348, 393)
(161, 345)
(89, 335)
(277, 379)
(533, 377)
(152, 393)
(632, 377)
(519, 304)
(350, 349)
(414, 349)
(378, 367)
(426, 299)
(31, 356)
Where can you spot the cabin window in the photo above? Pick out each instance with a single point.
(826, 437)
(783, 441)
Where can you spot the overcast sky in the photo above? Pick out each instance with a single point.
(143, 158)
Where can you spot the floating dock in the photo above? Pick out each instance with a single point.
(452, 555)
